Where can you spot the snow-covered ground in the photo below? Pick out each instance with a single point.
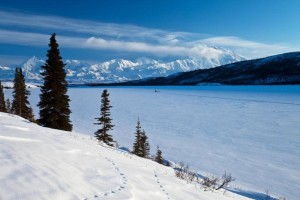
(41, 163)
(250, 131)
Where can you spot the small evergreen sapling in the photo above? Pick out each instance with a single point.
(158, 156)
(20, 104)
(8, 106)
(145, 146)
(141, 146)
(137, 149)
(2, 100)
(105, 121)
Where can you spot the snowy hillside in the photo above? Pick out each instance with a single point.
(118, 70)
(41, 163)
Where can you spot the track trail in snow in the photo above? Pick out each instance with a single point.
(122, 177)
(155, 178)
(65, 165)
(162, 188)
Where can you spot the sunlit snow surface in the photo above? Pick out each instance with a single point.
(39, 163)
(252, 132)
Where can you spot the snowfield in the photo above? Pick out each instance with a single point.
(252, 132)
(41, 163)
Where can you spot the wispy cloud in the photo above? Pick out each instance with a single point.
(23, 38)
(8, 60)
(123, 37)
(38, 39)
(86, 27)
(251, 49)
(192, 51)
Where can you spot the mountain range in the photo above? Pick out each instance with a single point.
(120, 70)
(278, 69)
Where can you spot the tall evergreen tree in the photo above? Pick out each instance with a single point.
(137, 148)
(54, 100)
(104, 120)
(158, 157)
(20, 104)
(2, 100)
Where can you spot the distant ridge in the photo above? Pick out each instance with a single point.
(274, 70)
(120, 70)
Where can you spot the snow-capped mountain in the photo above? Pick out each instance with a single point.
(118, 70)
(278, 69)
(32, 68)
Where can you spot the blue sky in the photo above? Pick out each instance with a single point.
(100, 30)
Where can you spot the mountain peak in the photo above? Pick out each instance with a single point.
(117, 70)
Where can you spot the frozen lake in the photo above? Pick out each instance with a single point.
(252, 132)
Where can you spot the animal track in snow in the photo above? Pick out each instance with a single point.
(114, 190)
(160, 185)
(119, 187)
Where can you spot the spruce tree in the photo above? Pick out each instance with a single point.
(145, 146)
(54, 100)
(2, 100)
(8, 106)
(20, 104)
(137, 148)
(104, 120)
(141, 146)
(158, 156)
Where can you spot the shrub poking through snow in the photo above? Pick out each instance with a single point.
(207, 183)
(225, 180)
(215, 183)
(184, 172)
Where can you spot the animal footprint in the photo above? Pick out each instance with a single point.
(161, 186)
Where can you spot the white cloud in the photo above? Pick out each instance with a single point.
(37, 39)
(173, 50)
(54, 23)
(23, 38)
(250, 49)
(123, 37)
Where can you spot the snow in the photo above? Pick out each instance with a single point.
(117, 70)
(9, 84)
(4, 68)
(249, 131)
(53, 164)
